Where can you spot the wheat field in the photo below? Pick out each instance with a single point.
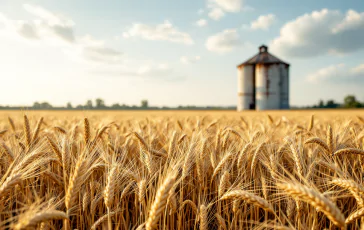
(182, 170)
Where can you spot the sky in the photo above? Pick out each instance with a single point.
(179, 52)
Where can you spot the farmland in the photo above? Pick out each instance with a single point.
(182, 170)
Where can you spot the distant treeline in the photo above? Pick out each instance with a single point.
(100, 105)
(350, 101)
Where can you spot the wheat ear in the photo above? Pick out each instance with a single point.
(203, 215)
(181, 139)
(37, 218)
(297, 159)
(60, 129)
(7, 150)
(255, 156)
(10, 182)
(75, 183)
(311, 124)
(224, 183)
(37, 130)
(191, 204)
(110, 187)
(159, 203)
(87, 133)
(349, 151)
(318, 141)
(330, 139)
(54, 148)
(142, 188)
(354, 216)
(102, 219)
(12, 125)
(172, 144)
(242, 154)
(221, 164)
(354, 188)
(27, 131)
(316, 199)
(221, 221)
(249, 198)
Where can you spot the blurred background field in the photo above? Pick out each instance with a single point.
(296, 114)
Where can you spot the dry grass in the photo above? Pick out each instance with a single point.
(185, 170)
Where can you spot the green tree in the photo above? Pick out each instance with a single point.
(115, 106)
(89, 104)
(36, 105)
(351, 102)
(69, 105)
(321, 104)
(144, 104)
(100, 103)
(45, 105)
(331, 104)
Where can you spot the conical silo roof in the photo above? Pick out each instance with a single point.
(263, 57)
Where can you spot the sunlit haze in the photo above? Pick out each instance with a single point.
(175, 52)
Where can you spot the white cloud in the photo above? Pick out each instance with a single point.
(161, 32)
(200, 11)
(229, 5)
(338, 74)
(201, 23)
(48, 16)
(26, 30)
(57, 24)
(359, 70)
(218, 8)
(47, 26)
(216, 14)
(321, 32)
(102, 54)
(55, 32)
(263, 22)
(146, 70)
(248, 8)
(89, 51)
(189, 60)
(224, 41)
(159, 70)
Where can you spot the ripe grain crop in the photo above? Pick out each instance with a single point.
(275, 170)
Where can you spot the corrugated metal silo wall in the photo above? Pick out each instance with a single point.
(245, 87)
(268, 87)
(284, 86)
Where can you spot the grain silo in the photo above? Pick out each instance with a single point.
(263, 82)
